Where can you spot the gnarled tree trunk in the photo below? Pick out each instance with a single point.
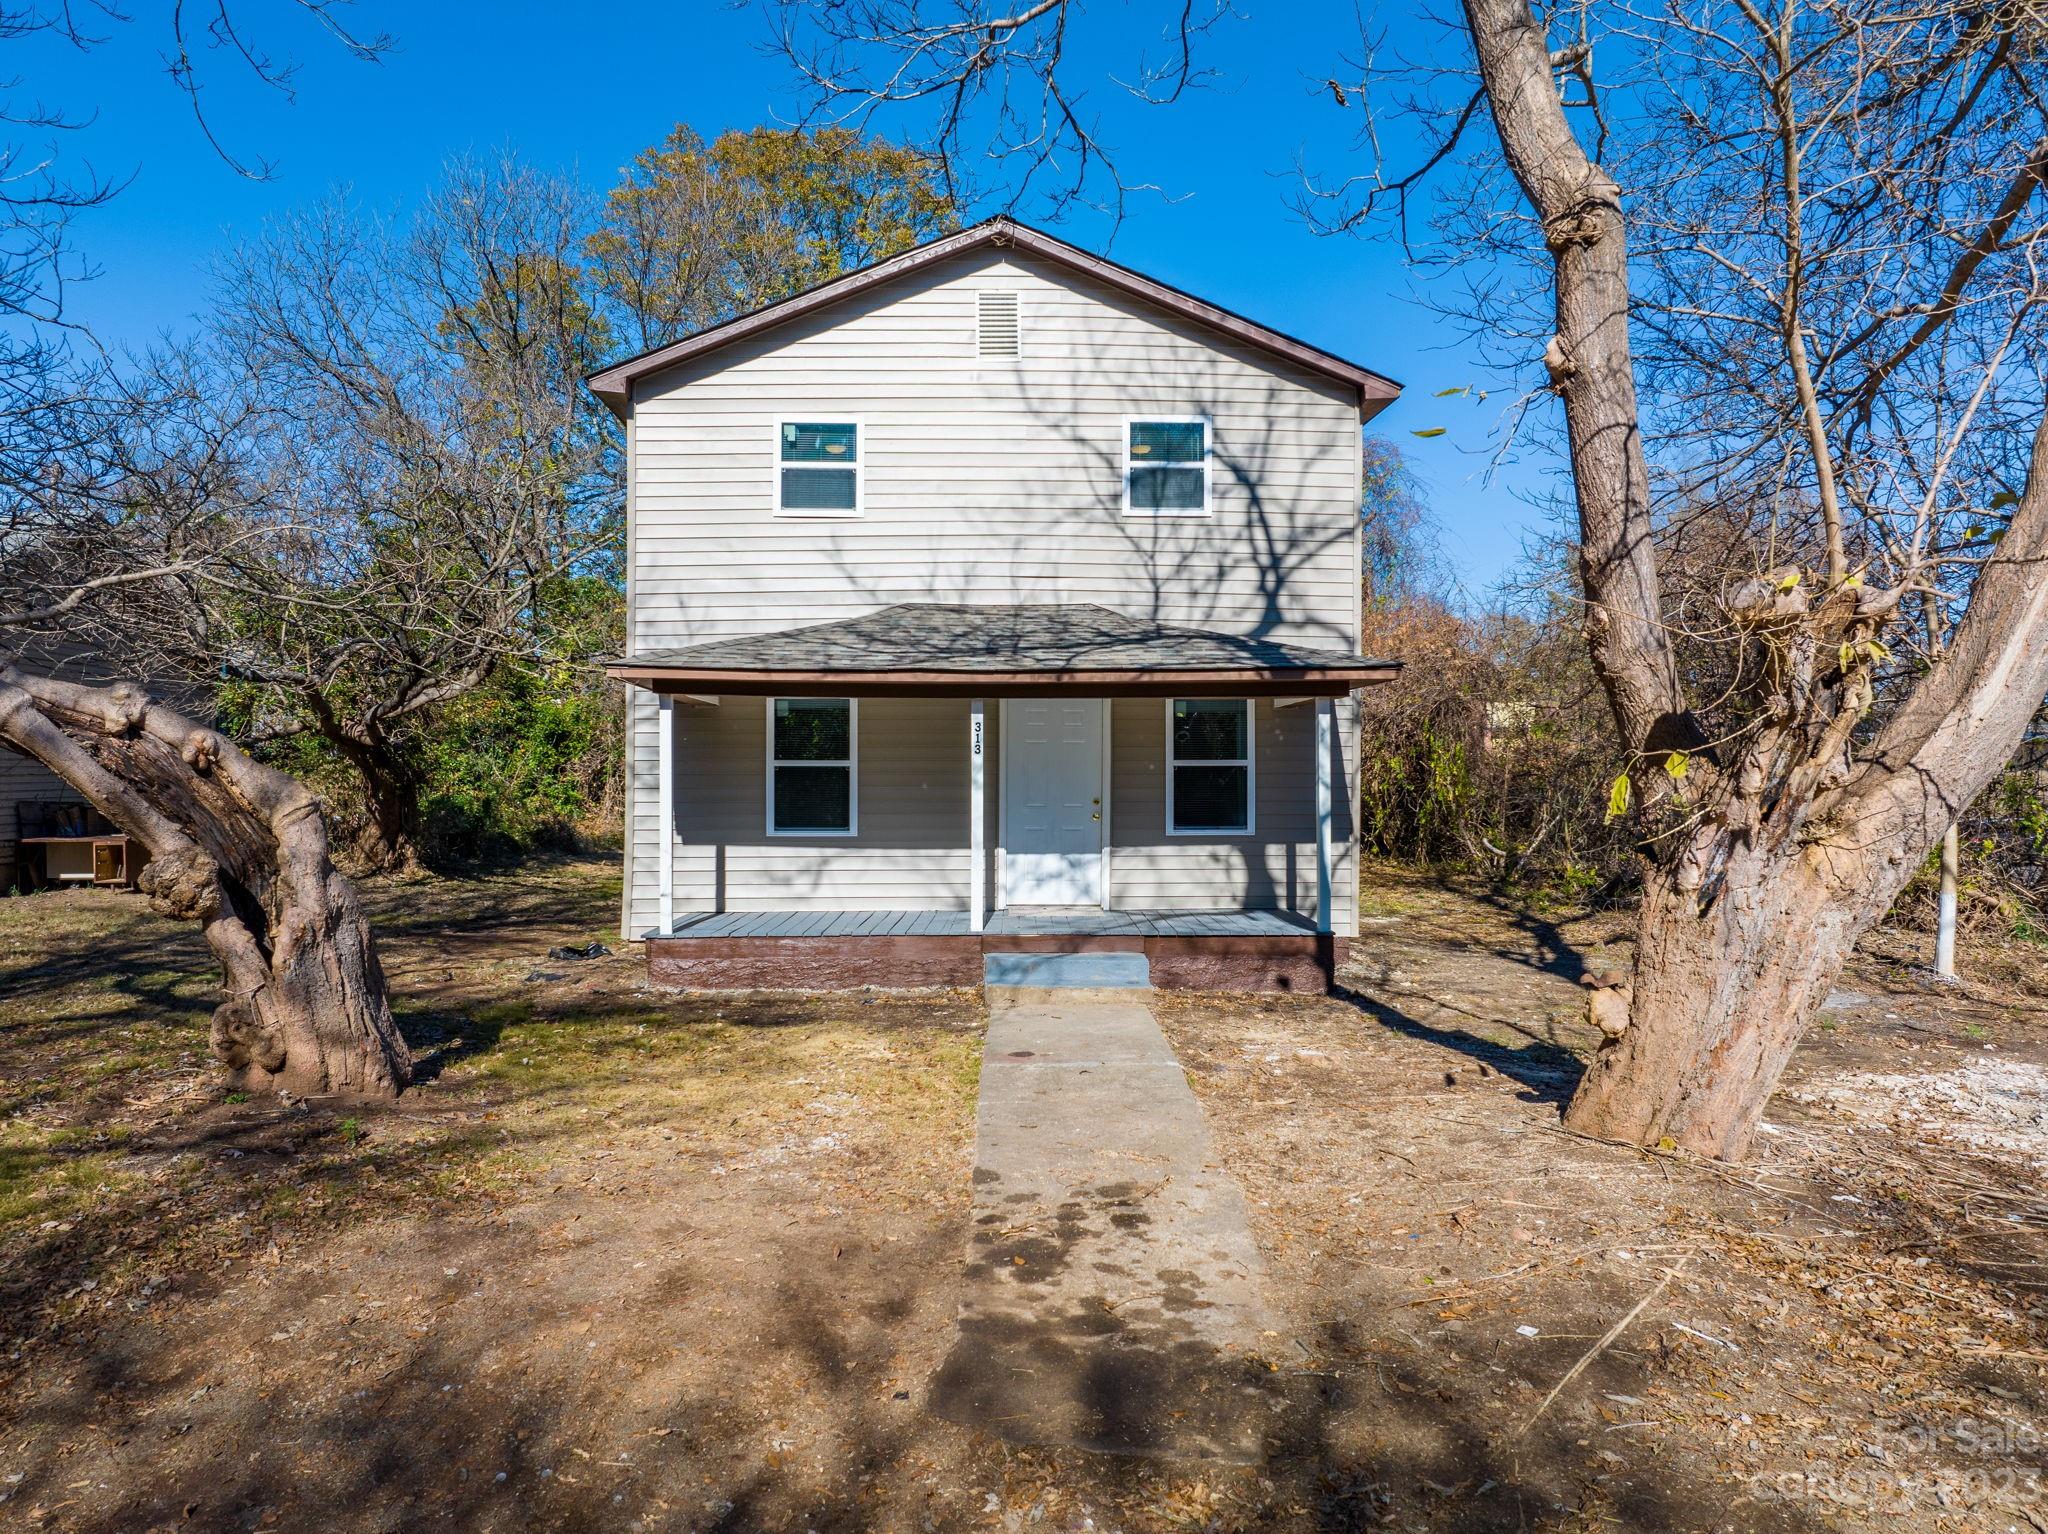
(239, 847)
(1720, 995)
(1733, 962)
(1768, 865)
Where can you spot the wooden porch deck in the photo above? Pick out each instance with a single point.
(837, 950)
(1077, 923)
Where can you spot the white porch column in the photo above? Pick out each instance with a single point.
(1325, 720)
(977, 851)
(665, 776)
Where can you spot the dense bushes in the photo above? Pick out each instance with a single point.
(532, 761)
(1494, 756)
(1493, 753)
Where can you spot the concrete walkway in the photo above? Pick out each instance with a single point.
(1113, 1293)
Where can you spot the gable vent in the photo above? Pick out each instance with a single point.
(995, 333)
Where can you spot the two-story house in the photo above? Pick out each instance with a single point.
(994, 598)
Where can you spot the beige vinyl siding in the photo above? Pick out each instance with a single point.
(912, 850)
(641, 843)
(992, 479)
(23, 780)
(1272, 869)
(985, 480)
(643, 825)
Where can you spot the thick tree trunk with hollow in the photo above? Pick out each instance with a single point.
(241, 848)
(1731, 968)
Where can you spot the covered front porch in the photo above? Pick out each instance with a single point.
(889, 799)
(996, 925)
(1183, 950)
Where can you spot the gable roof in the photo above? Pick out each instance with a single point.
(614, 384)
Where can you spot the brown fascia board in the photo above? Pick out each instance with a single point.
(1248, 682)
(614, 384)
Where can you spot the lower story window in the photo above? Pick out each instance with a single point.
(812, 774)
(1208, 766)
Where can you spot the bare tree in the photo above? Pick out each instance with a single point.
(1003, 86)
(1858, 233)
(136, 496)
(429, 465)
(41, 196)
(1830, 354)
(118, 486)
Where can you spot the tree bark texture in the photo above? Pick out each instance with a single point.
(1590, 365)
(1770, 867)
(241, 848)
(1730, 971)
(389, 839)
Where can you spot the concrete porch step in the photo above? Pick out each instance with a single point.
(1091, 971)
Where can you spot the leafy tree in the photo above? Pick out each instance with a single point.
(695, 233)
(433, 470)
(533, 757)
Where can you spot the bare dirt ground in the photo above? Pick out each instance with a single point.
(1848, 1329)
(633, 1260)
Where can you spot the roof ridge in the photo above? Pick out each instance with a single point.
(613, 382)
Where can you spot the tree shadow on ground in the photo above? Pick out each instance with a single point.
(444, 1434)
(1555, 953)
(1547, 1070)
(443, 1037)
(482, 905)
(157, 966)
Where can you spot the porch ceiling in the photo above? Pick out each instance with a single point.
(956, 650)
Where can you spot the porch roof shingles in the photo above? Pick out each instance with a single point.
(943, 644)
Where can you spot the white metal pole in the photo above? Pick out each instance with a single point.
(665, 775)
(1102, 806)
(1325, 718)
(1945, 920)
(977, 852)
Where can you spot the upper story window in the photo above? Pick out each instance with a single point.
(1166, 466)
(817, 471)
(1209, 772)
(813, 771)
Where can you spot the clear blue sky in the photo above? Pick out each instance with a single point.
(584, 89)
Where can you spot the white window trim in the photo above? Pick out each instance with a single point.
(859, 464)
(1208, 472)
(1249, 762)
(851, 764)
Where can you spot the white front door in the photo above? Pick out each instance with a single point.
(1052, 801)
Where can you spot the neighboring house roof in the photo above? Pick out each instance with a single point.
(949, 649)
(614, 384)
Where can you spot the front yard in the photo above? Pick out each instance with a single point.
(627, 1259)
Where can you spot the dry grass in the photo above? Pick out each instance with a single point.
(629, 1259)
(122, 1155)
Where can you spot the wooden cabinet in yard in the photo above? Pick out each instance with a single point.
(59, 845)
